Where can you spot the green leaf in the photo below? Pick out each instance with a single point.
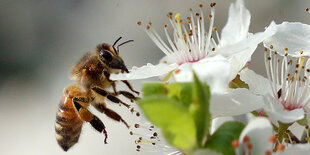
(222, 138)
(173, 118)
(153, 89)
(200, 109)
(181, 92)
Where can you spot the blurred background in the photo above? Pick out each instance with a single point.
(41, 40)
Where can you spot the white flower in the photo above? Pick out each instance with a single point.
(254, 138)
(286, 91)
(216, 60)
(257, 138)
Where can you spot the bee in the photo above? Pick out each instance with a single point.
(91, 74)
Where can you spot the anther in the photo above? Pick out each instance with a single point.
(286, 54)
(246, 139)
(235, 143)
(307, 9)
(212, 4)
(139, 23)
(301, 52)
(177, 71)
(150, 23)
(213, 49)
(148, 27)
(197, 14)
(268, 152)
(272, 139)
(210, 16)
(214, 29)
(137, 125)
(249, 146)
(280, 147)
(271, 46)
(269, 58)
(137, 114)
(286, 49)
(200, 5)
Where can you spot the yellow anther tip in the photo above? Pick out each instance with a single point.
(177, 16)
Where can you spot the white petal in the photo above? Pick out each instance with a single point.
(184, 73)
(239, 60)
(144, 72)
(258, 130)
(250, 42)
(292, 35)
(275, 110)
(237, 26)
(235, 102)
(167, 60)
(257, 83)
(213, 70)
(296, 149)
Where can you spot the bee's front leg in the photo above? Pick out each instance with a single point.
(130, 87)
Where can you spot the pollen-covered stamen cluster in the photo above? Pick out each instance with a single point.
(288, 78)
(245, 147)
(190, 42)
(148, 140)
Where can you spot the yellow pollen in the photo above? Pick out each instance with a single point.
(177, 17)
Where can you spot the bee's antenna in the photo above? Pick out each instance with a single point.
(128, 41)
(117, 41)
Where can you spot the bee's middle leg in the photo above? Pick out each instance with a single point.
(110, 96)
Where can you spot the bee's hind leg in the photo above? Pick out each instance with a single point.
(110, 113)
(85, 115)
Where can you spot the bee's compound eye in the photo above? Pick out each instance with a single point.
(105, 55)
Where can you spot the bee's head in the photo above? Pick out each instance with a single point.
(109, 55)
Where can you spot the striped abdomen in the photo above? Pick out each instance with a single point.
(68, 125)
